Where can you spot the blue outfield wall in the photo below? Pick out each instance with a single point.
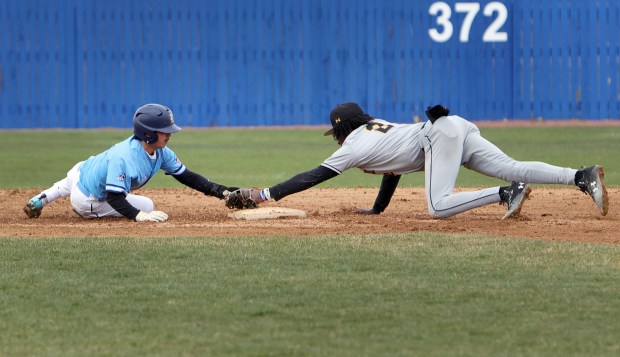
(90, 64)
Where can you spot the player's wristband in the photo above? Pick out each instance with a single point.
(264, 194)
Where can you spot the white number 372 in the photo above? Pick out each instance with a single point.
(443, 12)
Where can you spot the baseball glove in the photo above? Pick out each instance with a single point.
(240, 199)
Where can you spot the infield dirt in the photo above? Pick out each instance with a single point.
(558, 214)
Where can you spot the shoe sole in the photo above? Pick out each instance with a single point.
(602, 203)
(519, 204)
(32, 212)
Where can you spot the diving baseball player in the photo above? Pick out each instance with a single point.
(438, 147)
(101, 185)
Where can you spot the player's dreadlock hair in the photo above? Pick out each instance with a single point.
(342, 130)
(345, 118)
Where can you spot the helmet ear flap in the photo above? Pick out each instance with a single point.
(149, 138)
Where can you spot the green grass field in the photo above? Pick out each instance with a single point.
(261, 157)
(417, 294)
(389, 295)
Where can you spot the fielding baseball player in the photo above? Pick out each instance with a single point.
(101, 185)
(438, 147)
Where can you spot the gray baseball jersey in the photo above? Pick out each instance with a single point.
(380, 147)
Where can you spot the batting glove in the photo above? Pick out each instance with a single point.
(155, 216)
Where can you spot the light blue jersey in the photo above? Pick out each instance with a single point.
(124, 167)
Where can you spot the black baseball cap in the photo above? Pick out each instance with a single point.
(343, 112)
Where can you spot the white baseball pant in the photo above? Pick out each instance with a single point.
(89, 206)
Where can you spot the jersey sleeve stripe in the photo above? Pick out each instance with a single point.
(112, 188)
(331, 168)
(177, 172)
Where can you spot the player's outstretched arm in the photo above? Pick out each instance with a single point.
(301, 182)
(250, 198)
(388, 186)
(202, 184)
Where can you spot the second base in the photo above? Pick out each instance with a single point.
(267, 213)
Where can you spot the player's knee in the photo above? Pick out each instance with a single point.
(440, 215)
(142, 203)
(435, 213)
(149, 205)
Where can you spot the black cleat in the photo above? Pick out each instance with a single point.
(516, 195)
(593, 183)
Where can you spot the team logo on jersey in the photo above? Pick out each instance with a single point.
(121, 177)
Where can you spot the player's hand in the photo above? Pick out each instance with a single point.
(224, 192)
(155, 216)
(243, 198)
(366, 211)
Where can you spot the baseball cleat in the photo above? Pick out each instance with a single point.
(34, 206)
(593, 184)
(518, 192)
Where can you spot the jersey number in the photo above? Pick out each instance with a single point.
(383, 128)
